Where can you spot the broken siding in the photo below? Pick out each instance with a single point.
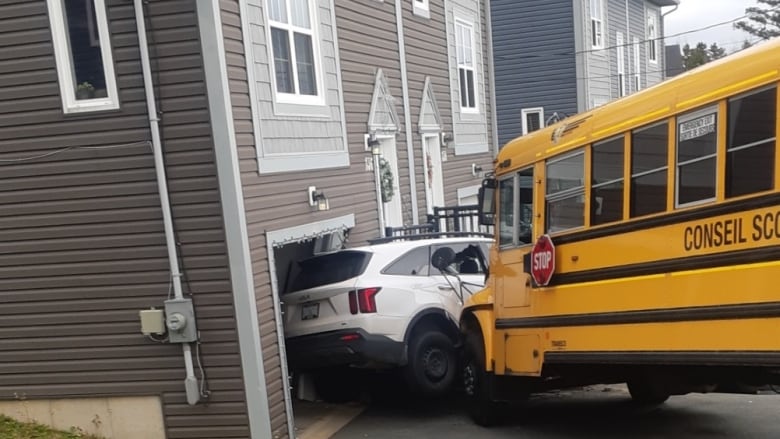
(82, 247)
(368, 41)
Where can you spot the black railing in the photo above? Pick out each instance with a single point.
(445, 221)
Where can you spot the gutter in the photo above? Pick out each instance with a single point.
(190, 381)
(399, 22)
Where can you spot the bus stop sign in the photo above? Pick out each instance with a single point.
(543, 260)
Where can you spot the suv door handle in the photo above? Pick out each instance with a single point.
(446, 288)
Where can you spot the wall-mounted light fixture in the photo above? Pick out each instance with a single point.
(318, 199)
(372, 144)
(476, 170)
(446, 139)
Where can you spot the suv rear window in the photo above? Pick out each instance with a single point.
(327, 269)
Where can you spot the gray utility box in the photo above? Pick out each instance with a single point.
(180, 321)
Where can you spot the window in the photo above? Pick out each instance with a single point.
(649, 166)
(597, 23)
(464, 46)
(293, 39)
(518, 232)
(506, 211)
(415, 262)
(607, 182)
(82, 50)
(533, 119)
(621, 64)
(421, 8)
(327, 269)
(750, 155)
(566, 192)
(637, 65)
(697, 135)
(467, 258)
(652, 35)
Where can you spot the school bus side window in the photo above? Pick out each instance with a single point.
(750, 158)
(506, 210)
(566, 192)
(607, 182)
(697, 136)
(649, 163)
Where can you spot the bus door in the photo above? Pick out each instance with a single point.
(514, 221)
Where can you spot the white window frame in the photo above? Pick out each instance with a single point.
(637, 65)
(526, 111)
(64, 60)
(469, 26)
(296, 98)
(620, 48)
(597, 24)
(421, 8)
(712, 109)
(652, 37)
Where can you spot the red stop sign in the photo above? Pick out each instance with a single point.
(543, 260)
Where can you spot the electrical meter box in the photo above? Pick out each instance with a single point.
(180, 321)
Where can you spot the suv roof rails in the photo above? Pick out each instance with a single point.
(430, 235)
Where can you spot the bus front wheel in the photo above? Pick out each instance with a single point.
(647, 391)
(481, 407)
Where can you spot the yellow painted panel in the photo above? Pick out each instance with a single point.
(523, 355)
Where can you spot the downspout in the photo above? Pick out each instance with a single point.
(492, 78)
(190, 381)
(399, 22)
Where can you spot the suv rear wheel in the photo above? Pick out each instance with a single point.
(432, 366)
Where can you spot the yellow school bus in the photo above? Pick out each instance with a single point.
(636, 243)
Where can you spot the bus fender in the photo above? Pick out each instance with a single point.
(480, 319)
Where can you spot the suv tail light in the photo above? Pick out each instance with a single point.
(363, 300)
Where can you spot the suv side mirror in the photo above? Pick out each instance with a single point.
(487, 202)
(442, 258)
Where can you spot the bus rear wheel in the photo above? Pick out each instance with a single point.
(480, 406)
(646, 391)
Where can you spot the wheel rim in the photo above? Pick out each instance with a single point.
(434, 363)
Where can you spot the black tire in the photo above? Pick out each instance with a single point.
(433, 365)
(479, 404)
(335, 385)
(646, 392)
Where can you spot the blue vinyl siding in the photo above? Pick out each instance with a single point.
(533, 46)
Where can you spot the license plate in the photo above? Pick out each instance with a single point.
(310, 311)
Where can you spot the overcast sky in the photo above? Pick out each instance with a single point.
(696, 14)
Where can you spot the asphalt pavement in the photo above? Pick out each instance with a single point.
(593, 412)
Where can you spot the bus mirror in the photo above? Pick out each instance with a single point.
(487, 202)
(442, 258)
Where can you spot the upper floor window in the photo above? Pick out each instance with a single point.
(652, 37)
(82, 51)
(597, 23)
(464, 45)
(294, 41)
(637, 65)
(533, 119)
(421, 8)
(621, 64)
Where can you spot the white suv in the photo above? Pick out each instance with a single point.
(382, 306)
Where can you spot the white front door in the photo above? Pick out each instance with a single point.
(434, 177)
(392, 209)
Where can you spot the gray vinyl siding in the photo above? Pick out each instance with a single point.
(636, 17)
(617, 22)
(368, 41)
(599, 71)
(286, 128)
(471, 131)
(82, 247)
(530, 43)
(628, 17)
